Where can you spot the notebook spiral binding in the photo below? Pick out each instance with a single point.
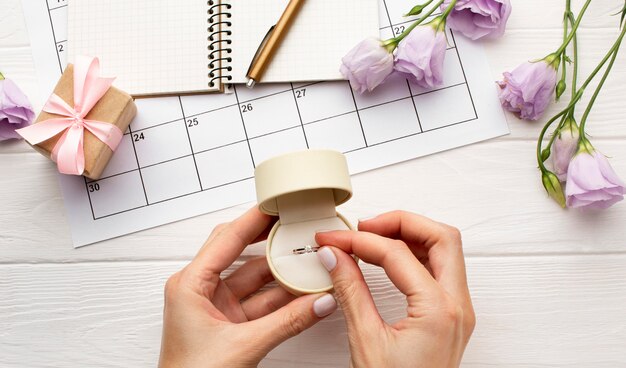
(219, 42)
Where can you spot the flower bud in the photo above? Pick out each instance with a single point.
(553, 187)
(560, 89)
(564, 148)
(417, 10)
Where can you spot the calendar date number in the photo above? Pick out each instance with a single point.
(247, 108)
(94, 187)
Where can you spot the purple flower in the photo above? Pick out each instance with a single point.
(479, 18)
(564, 148)
(592, 183)
(15, 110)
(367, 65)
(420, 56)
(527, 90)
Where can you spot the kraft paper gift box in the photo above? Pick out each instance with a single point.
(115, 107)
(302, 189)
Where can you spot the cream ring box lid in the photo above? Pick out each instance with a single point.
(302, 189)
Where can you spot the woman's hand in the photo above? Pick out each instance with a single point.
(424, 260)
(213, 322)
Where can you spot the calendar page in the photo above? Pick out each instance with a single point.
(188, 155)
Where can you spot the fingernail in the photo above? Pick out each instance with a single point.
(365, 219)
(327, 257)
(324, 305)
(321, 231)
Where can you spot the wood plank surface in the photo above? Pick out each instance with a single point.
(545, 311)
(549, 286)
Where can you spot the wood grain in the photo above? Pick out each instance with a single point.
(532, 312)
(548, 285)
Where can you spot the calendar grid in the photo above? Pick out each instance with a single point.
(245, 131)
(387, 12)
(415, 107)
(93, 214)
(469, 91)
(410, 135)
(358, 115)
(195, 164)
(248, 139)
(256, 137)
(132, 141)
(57, 44)
(295, 100)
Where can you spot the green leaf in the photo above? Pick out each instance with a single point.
(417, 10)
(567, 59)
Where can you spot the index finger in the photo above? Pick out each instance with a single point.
(403, 269)
(443, 243)
(224, 248)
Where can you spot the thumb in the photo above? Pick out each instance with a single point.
(292, 319)
(351, 291)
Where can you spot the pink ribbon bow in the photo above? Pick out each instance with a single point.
(89, 88)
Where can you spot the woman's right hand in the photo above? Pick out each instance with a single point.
(424, 260)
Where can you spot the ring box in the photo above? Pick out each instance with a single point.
(302, 189)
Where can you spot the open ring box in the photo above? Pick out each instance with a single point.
(302, 189)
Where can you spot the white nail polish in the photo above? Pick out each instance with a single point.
(324, 305)
(327, 257)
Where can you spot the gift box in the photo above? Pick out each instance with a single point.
(302, 189)
(90, 132)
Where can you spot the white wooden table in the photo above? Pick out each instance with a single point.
(549, 286)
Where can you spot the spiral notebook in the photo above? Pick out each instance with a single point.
(165, 47)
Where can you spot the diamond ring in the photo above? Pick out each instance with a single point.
(305, 250)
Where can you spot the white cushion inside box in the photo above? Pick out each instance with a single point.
(302, 214)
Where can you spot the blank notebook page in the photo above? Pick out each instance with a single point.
(151, 46)
(321, 34)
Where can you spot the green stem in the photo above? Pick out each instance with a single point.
(571, 111)
(574, 29)
(396, 40)
(565, 32)
(557, 130)
(1, 76)
(583, 120)
(604, 60)
(543, 133)
(612, 54)
(448, 10)
(575, 55)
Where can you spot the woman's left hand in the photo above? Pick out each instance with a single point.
(213, 322)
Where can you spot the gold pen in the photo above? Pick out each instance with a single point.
(268, 47)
